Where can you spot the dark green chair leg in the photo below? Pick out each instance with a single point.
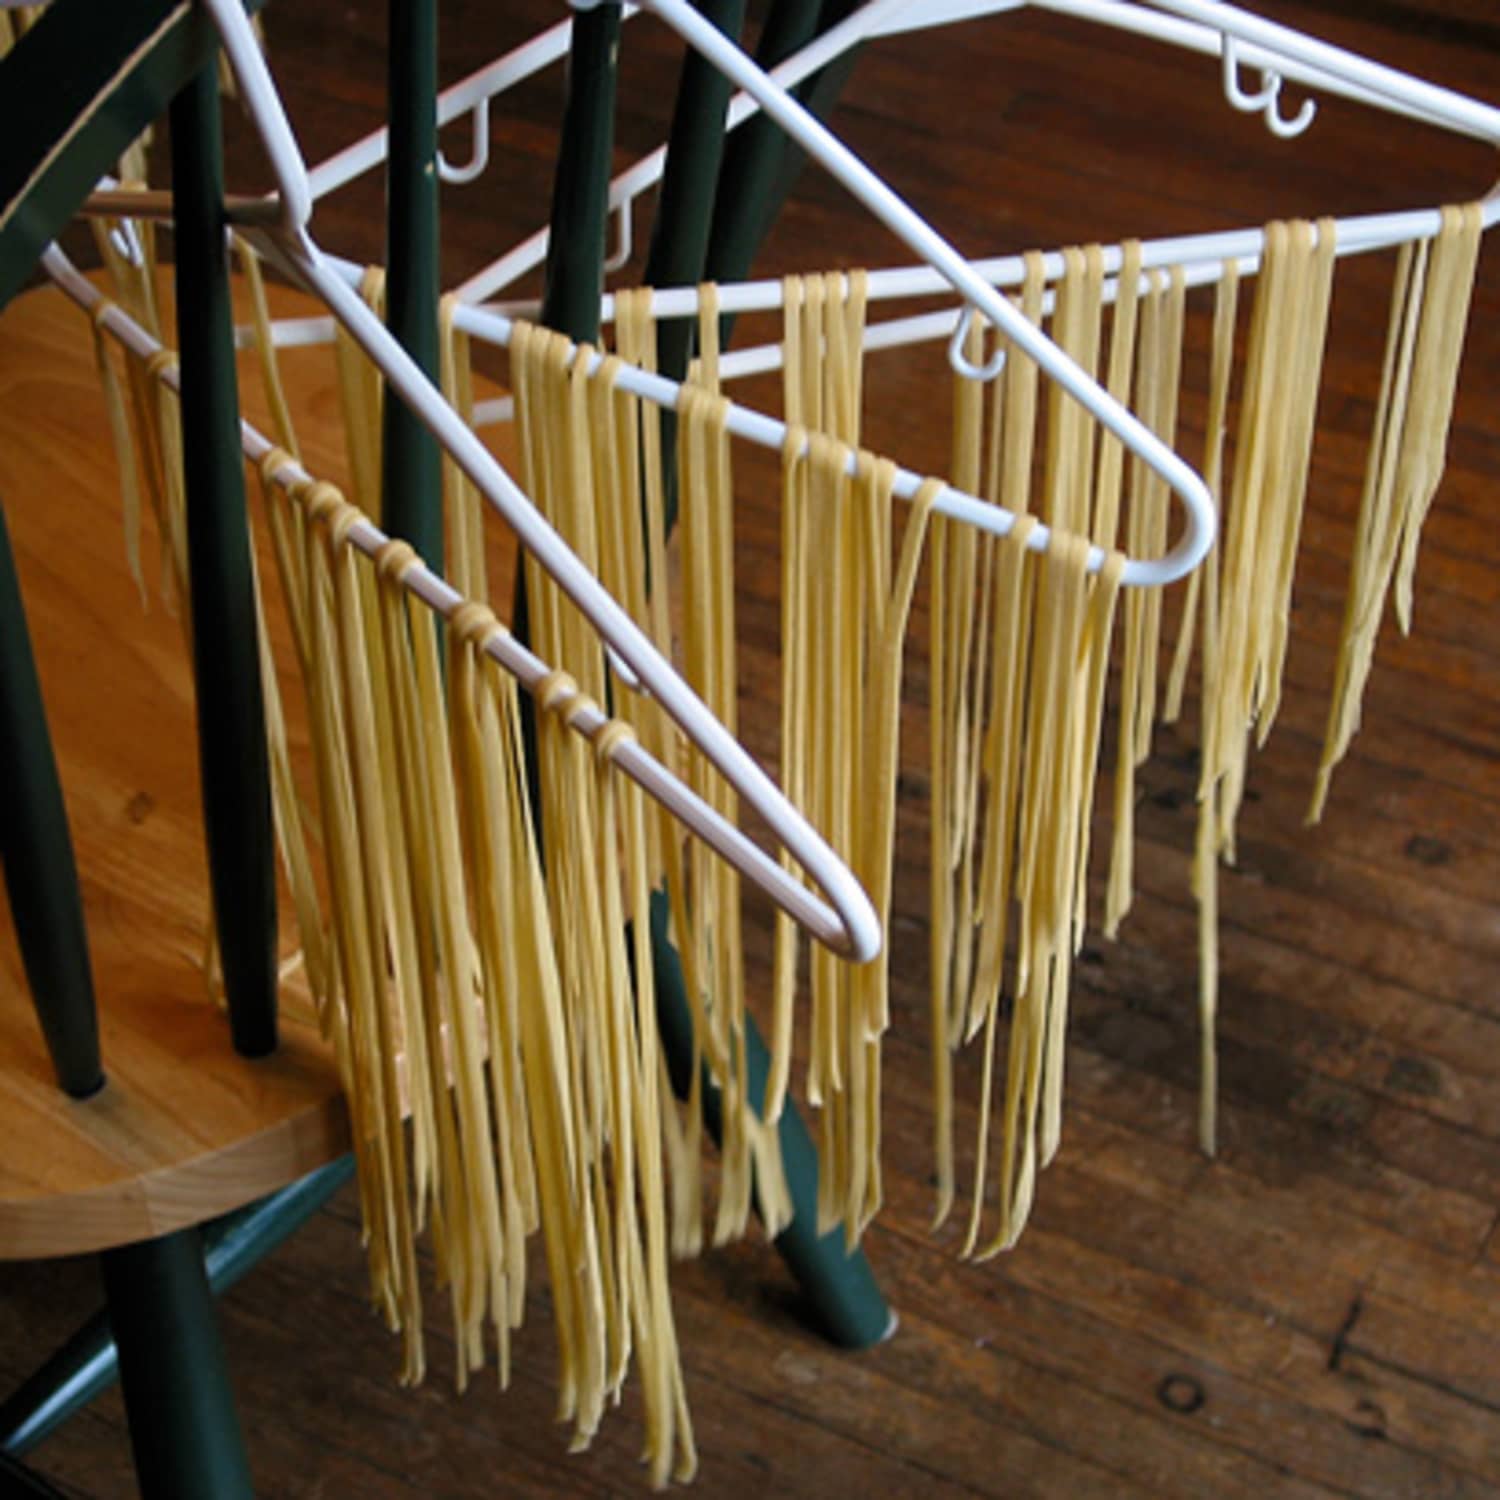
(575, 245)
(685, 211)
(226, 664)
(841, 1288)
(88, 1363)
(760, 162)
(411, 465)
(842, 1294)
(81, 1369)
(690, 175)
(183, 1427)
(580, 186)
(37, 853)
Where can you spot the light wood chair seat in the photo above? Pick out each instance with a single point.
(183, 1129)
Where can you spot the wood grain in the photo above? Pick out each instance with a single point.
(184, 1128)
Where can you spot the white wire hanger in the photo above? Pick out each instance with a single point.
(470, 96)
(869, 189)
(299, 256)
(839, 923)
(1238, 38)
(278, 225)
(839, 914)
(494, 327)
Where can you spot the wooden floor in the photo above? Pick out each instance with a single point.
(1315, 1313)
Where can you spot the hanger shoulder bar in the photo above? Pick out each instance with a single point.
(1357, 235)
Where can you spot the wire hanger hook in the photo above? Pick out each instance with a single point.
(624, 241)
(962, 364)
(1266, 100)
(479, 156)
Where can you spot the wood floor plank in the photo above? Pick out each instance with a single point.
(1287, 1252)
(1451, 1355)
(1264, 1381)
(1382, 1034)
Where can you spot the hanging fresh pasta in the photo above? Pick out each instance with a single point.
(1070, 627)
(504, 989)
(361, 398)
(1158, 374)
(1245, 645)
(823, 320)
(843, 668)
(1430, 298)
(1019, 672)
(1205, 868)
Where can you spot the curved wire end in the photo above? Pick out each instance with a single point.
(862, 939)
(624, 246)
(1266, 100)
(962, 364)
(479, 154)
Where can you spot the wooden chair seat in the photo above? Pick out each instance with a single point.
(183, 1129)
